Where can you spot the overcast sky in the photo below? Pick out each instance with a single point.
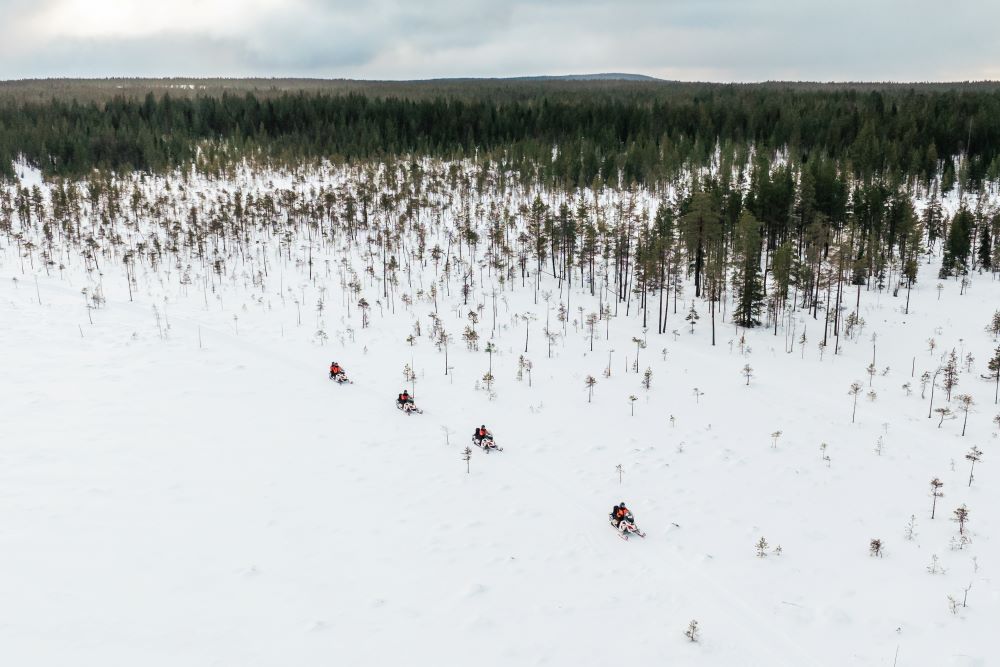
(717, 40)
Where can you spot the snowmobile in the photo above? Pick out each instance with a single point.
(486, 444)
(341, 378)
(408, 408)
(626, 527)
(338, 373)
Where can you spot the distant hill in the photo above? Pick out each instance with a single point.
(603, 76)
(575, 87)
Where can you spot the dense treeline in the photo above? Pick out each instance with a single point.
(495, 90)
(634, 133)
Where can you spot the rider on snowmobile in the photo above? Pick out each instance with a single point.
(620, 513)
(481, 434)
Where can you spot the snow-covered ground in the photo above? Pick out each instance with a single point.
(185, 486)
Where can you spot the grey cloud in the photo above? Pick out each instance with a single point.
(685, 39)
(170, 54)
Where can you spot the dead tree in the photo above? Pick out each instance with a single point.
(965, 404)
(974, 455)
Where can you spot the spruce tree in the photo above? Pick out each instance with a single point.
(958, 245)
(747, 279)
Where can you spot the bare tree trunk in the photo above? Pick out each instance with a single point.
(712, 308)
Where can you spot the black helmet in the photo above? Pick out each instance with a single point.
(483, 426)
(623, 503)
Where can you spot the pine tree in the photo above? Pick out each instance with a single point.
(985, 251)
(994, 326)
(962, 518)
(950, 379)
(747, 280)
(966, 402)
(781, 269)
(761, 547)
(692, 317)
(591, 323)
(994, 367)
(854, 391)
(974, 455)
(875, 548)
(936, 493)
(697, 226)
(933, 219)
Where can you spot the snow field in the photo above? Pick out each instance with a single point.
(169, 501)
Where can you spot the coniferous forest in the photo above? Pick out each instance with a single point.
(766, 194)
(606, 132)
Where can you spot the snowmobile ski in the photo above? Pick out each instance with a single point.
(487, 448)
(624, 534)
